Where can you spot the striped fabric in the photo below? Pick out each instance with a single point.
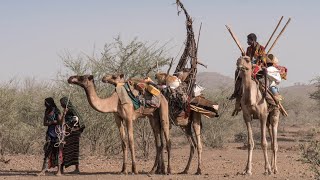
(71, 149)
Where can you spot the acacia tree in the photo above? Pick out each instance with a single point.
(134, 59)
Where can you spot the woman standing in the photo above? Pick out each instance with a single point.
(73, 133)
(52, 119)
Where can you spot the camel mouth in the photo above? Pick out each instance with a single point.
(72, 80)
(243, 68)
(105, 79)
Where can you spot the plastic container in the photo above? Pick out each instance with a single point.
(153, 90)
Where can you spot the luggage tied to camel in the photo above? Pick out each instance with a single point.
(135, 93)
(181, 104)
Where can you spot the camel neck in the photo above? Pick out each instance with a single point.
(247, 87)
(107, 105)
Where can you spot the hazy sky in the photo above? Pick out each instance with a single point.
(35, 32)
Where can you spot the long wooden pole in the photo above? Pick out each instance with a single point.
(236, 40)
(273, 32)
(279, 35)
(198, 38)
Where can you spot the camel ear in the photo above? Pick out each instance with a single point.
(90, 77)
(121, 76)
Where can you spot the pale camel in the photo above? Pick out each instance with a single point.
(253, 104)
(124, 116)
(186, 124)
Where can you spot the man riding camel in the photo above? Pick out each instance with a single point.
(255, 51)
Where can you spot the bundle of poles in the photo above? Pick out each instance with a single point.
(273, 44)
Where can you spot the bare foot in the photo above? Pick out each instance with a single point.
(76, 171)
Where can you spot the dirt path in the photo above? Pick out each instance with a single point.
(226, 163)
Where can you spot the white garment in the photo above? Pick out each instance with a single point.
(273, 75)
(197, 90)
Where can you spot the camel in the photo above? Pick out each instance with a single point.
(124, 116)
(186, 124)
(253, 104)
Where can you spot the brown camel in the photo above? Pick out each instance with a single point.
(125, 115)
(253, 104)
(186, 124)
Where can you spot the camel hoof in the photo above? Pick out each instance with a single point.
(42, 173)
(268, 172)
(123, 173)
(275, 171)
(183, 172)
(198, 172)
(151, 172)
(247, 173)
(169, 171)
(58, 174)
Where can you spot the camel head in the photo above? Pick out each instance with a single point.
(82, 81)
(244, 63)
(113, 79)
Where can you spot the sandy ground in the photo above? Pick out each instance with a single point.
(226, 163)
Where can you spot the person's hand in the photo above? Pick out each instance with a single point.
(65, 111)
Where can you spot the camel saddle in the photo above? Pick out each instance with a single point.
(130, 92)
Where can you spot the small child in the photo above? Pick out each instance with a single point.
(273, 74)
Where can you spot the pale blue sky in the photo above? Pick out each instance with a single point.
(34, 32)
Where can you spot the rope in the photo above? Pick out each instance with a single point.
(61, 130)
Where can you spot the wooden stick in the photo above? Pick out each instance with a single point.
(202, 64)
(198, 38)
(236, 40)
(279, 35)
(273, 33)
(283, 111)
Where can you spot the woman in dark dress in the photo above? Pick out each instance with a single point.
(72, 137)
(52, 119)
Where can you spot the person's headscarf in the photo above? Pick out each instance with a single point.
(64, 101)
(50, 104)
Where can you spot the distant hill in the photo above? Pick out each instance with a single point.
(214, 81)
(298, 90)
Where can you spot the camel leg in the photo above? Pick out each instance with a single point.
(275, 148)
(122, 132)
(248, 169)
(191, 141)
(270, 130)
(197, 130)
(264, 143)
(166, 132)
(274, 123)
(155, 124)
(165, 124)
(131, 145)
(161, 165)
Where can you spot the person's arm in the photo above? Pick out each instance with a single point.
(46, 122)
(63, 115)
